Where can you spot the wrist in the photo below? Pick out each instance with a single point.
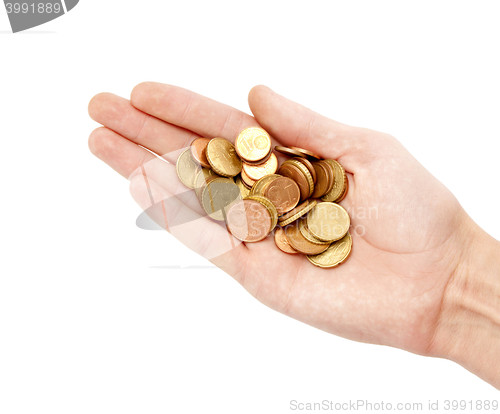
(468, 330)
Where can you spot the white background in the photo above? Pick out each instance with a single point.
(91, 320)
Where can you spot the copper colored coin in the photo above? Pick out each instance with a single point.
(288, 151)
(284, 193)
(307, 153)
(323, 180)
(270, 207)
(260, 185)
(331, 174)
(199, 151)
(293, 172)
(247, 180)
(305, 172)
(300, 243)
(309, 166)
(282, 242)
(248, 221)
(256, 172)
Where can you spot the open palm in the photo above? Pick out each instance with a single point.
(407, 228)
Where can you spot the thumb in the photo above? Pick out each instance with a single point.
(295, 125)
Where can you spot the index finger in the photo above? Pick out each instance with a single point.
(189, 110)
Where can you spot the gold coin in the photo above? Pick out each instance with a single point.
(297, 212)
(335, 255)
(253, 144)
(187, 168)
(260, 185)
(307, 234)
(270, 207)
(328, 221)
(245, 192)
(201, 179)
(217, 195)
(256, 172)
(338, 187)
(346, 189)
(223, 158)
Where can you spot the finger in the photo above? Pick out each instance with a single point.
(296, 125)
(116, 113)
(123, 156)
(208, 238)
(131, 160)
(189, 110)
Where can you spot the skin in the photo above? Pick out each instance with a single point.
(421, 275)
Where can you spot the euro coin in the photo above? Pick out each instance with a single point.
(260, 185)
(282, 242)
(305, 172)
(346, 190)
(223, 158)
(244, 190)
(307, 153)
(302, 223)
(323, 180)
(187, 168)
(297, 212)
(300, 243)
(253, 144)
(309, 166)
(335, 255)
(284, 193)
(249, 183)
(198, 151)
(270, 207)
(288, 151)
(248, 220)
(217, 195)
(328, 221)
(292, 171)
(202, 177)
(339, 183)
(256, 172)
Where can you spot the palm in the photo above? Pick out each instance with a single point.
(404, 221)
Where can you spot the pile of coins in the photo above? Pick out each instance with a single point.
(245, 186)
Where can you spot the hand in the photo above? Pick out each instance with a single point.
(411, 237)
